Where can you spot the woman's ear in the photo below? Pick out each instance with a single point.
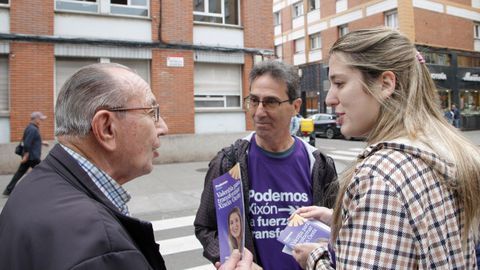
(104, 129)
(388, 84)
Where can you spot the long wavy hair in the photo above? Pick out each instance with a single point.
(412, 111)
(234, 242)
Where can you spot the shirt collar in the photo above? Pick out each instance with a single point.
(109, 187)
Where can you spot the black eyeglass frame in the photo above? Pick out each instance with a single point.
(269, 105)
(155, 108)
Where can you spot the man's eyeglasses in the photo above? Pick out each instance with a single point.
(269, 103)
(153, 111)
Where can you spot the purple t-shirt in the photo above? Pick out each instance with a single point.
(279, 185)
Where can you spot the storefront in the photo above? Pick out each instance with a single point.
(455, 73)
(457, 77)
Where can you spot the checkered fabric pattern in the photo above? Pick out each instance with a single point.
(109, 187)
(398, 215)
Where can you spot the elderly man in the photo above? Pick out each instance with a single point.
(32, 149)
(280, 172)
(71, 212)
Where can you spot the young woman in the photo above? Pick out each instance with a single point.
(235, 229)
(411, 199)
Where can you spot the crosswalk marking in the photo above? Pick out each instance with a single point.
(348, 153)
(166, 224)
(338, 157)
(179, 244)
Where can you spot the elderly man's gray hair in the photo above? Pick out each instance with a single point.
(90, 89)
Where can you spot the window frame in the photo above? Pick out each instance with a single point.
(104, 7)
(296, 46)
(476, 30)
(316, 5)
(5, 4)
(279, 48)
(343, 30)
(206, 13)
(277, 18)
(390, 14)
(130, 6)
(206, 94)
(297, 10)
(318, 37)
(7, 93)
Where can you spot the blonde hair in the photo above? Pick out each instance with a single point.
(412, 111)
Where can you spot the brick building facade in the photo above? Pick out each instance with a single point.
(446, 32)
(196, 55)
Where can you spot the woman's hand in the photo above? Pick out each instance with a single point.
(319, 213)
(301, 252)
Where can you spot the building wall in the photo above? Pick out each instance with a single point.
(31, 65)
(443, 25)
(458, 34)
(173, 88)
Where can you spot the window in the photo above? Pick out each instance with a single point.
(313, 4)
(129, 7)
(391, 19)
(341, 5)
(217, 86)
(211, 11)
(470, 101)
(297, 9)
(4, 104)
(279, 51)
(467, 61)
(65, 67)
(476, 30)
(315, 41)
(4, 107)
(299, 45)
(119, 7)
(3, 1)
(77, 5)
(436, 58)
(476, 3)
(342, 30)
(277, 18)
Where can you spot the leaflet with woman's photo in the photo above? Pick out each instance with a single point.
(229, 206)
(300, 230)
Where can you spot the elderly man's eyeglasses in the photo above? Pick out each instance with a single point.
(269, 103)
(153, 111)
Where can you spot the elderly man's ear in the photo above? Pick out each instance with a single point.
(104, 129)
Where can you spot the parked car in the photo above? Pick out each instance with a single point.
(326, 125)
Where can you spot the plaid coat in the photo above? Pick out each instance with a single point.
(396, 214)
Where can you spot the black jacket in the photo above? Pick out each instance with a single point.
(58, 219)
(324, 187)
(32, 142)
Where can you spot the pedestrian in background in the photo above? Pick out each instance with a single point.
(278, 171)
(411, 199)
(456, 116)
(295, 124)
(32, 149)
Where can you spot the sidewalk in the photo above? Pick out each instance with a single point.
(170, 190)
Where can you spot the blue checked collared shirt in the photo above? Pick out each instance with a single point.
(110, 188)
